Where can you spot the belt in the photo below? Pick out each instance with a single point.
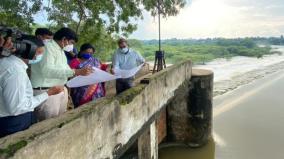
(42, 88)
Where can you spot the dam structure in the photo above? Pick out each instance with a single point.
(173, 105)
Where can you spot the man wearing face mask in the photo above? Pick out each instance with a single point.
(71, 53)
(125, 58)
(17, 102)
(39, 51)
(43, 34)
(53, 70)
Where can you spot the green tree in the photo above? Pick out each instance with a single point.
(19, 13)
(105, 20)
(99, 22)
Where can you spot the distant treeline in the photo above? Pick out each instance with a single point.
(203, 50)
(257, 40)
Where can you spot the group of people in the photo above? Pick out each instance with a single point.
(25, 99)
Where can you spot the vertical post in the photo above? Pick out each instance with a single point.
(154, 140)
(159, 14)
(160, 62)
(148, 143)
(190, 112)
(200, 107)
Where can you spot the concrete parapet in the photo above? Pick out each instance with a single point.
(102, 129)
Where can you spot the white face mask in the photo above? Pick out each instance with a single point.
(68, 48)
(37, 60)
(46, 41)
(124, 50)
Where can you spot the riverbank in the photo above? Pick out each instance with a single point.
(222, 87)
(238, 71)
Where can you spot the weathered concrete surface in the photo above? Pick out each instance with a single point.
(178, 123)
(190, 112)
(148, 143)
(162, 126)
(104, 129)
(201, 106)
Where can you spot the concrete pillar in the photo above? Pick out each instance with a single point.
(162, 125)
(200, 107)
(190, 112)
(148, 143)
(178, 126)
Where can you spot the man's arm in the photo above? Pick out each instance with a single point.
(17, 99)
(115, 61)
(140, 59)
(51, 71)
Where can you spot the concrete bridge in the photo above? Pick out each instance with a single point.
(174, 105)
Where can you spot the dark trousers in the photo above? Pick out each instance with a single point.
(13, 124)
(124, 84)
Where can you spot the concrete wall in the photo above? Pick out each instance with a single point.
(104, 129)
(110, 85)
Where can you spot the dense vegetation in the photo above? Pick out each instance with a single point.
(201, 50)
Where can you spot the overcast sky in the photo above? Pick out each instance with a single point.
(218, 18)
(215, 18)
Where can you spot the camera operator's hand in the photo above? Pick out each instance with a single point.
(6, 44)
(55, 90)
(84, 71)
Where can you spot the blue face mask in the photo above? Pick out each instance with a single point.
(86, 56)
(37, 60)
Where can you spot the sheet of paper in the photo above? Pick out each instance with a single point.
(101, 76)
(97, 77)
(127, 73)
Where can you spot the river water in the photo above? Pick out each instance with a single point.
(247, 111)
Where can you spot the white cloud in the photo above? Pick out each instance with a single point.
(218, 18)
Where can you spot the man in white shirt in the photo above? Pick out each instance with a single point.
(17, 102)
(126, 59)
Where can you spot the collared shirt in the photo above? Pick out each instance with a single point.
(53, 69)
(16, 92)
(126, 61)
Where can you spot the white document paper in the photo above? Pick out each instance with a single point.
(127, 73)
(101, 76)
(97, 77)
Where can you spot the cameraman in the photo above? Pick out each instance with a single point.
(16, 94)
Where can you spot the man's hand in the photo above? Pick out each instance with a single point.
(72, 54)
(84, 71)
(55, 90)
(6, 44)
(112, 71)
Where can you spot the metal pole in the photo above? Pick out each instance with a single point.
(159, 14)
(160, 62)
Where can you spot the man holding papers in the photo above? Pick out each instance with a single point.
(125, 59)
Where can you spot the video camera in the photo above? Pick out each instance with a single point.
(24, 48)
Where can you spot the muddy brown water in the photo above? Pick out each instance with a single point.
(248, 124)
